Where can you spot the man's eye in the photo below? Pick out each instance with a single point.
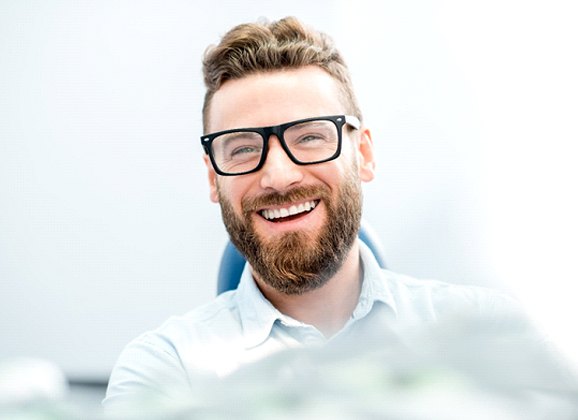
(310, 139)
(244, 150)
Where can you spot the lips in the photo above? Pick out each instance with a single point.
(290, 211)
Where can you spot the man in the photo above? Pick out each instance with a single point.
(286, 152)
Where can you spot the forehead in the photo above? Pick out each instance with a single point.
(272, 98)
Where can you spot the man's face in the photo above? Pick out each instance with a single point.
(300, 252)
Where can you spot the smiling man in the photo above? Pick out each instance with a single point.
(286, 151)
(292, 202)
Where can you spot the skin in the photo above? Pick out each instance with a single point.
(272, 98)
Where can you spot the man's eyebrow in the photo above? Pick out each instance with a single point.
(314, 123)
(240, 135)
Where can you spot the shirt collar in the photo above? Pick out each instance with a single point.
(375, 287)
(258, 315)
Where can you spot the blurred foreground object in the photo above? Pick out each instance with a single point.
(32, 389)
(28, 379)
(460, 368)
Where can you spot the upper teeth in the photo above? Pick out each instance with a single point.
(288, 211)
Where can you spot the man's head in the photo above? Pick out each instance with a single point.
(294, 223)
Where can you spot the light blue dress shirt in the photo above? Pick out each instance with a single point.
(241, 326)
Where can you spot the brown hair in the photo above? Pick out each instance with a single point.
(268, 46)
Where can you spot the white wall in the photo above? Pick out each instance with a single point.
(105, 224)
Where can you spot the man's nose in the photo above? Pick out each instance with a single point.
(279, 172)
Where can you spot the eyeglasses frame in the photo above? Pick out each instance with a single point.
(279, 131)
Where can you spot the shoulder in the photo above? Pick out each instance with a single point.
(434, 299)
(219, 316)
(160, 362)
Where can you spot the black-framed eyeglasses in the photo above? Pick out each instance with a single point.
(308, 141)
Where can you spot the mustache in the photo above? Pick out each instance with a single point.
(252, 204)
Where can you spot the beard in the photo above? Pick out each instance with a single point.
(297, 262)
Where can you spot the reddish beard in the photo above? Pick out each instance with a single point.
(299, 261)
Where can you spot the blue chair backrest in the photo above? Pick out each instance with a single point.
(232, 262)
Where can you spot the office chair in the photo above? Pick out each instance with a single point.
(232, 262)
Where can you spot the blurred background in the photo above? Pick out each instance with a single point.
(106, 228)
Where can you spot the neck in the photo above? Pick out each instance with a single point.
(329, 307)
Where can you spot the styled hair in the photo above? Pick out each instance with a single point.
(272, 46)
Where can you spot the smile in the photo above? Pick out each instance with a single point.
(284, 212)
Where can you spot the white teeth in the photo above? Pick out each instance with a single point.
(288, 211)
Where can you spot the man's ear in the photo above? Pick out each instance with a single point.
(213, 194)
(366, 157)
